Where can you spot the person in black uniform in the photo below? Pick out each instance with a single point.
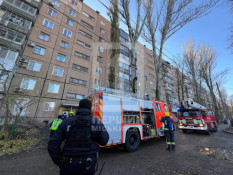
(81, 133)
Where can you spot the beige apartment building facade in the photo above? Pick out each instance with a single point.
(67, 55)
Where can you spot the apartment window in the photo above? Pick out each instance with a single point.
(149, 55)
(122, 75)
(34, 66)
(52, 13)
(78, 54)
(99, 70)
(139, 84)
(8, 54)
(72, 13)
(64, 45)
(85, 34)
(61, 57)
(39, 50)
(44, 36)
(74, 3)
(124, 57)
(70, 95)
(84, 44)
(125, 66)
(49, 106)
(98, 82)
(101, 40)
(58, 71)
(86, 24)
(56, 3)
(146, 86)
(77, 81)
(99, 59)
(80, 97)
(67, 33)
(145, 78)
(48, 24)
(75, 96)
(70, 22)
(53, 88)
(101, 49)
(11, 35)
(102, 31)
(81, 68)
(28, 84)
(102, 23)
(152, 83)
(87, 15)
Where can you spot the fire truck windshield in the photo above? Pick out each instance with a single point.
(190, 113)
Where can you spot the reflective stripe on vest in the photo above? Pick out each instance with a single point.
(55, 124)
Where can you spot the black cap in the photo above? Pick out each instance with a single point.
(85, 103)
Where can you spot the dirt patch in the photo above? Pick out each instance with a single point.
(216, 152)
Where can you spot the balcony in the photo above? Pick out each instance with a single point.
(15, 22)
(35, 3)
(124, 70)
(21, 8)
(12, 39)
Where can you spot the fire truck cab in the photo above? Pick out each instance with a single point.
(196, 117)
(128, 119)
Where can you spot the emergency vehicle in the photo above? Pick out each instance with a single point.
(127, 118)
(193, 116)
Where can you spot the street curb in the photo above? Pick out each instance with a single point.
(227, 131)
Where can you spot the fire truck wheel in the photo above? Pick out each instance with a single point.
(208, 130)
(132, 141)
(184, 130)
(215, 127)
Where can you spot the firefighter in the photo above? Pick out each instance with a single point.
(82, 134)
(54, 125)
(71, 114)
(169, 131)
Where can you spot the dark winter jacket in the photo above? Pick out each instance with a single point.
(168, 123)
(98, 135)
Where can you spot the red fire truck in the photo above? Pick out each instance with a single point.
(193, 116)
(128, 119)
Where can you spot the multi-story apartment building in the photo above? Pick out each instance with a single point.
(16, 21)
(65, 51)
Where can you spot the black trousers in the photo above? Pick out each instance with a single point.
(77, 166)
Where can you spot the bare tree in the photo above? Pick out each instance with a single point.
(12, 104)
(115, 41)
(179, 78)
(192, 60)
(166, 19)
(134, 33)
(211, 77)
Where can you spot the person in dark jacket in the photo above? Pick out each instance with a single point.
(169, 131)
(82, 134)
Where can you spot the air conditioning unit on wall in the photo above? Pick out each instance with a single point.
(18, 90)
(31, 44)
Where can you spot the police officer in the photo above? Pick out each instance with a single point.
(54, 125)
(169, 131)
(81, 133)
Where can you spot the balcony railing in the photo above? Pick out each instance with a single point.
(21, 8)
(15, 22)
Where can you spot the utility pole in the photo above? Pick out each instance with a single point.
(223, 104)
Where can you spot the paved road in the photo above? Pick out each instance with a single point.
(151, 158)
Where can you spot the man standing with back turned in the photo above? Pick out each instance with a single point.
(81, 133)
(169, 131)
